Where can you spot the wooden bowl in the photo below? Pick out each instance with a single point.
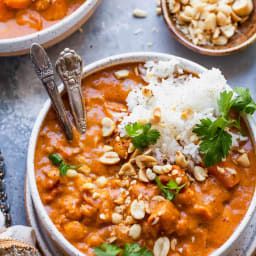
(245, 36)
(51, 35)
(138, 57)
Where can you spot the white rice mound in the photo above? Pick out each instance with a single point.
(174, 96)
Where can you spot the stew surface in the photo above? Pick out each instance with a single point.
(23, 17)
(92, 205)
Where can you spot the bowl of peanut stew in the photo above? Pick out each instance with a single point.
(23, 22)
(165, 168)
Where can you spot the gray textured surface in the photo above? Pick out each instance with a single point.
(110, 31)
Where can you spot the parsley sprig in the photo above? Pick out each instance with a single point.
(107, 250)
(142, 135)
(216, 141)
(244, 102)
(133, 249)
(171, 189)
(63, 167)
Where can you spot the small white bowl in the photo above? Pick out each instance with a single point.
(51, 35)
(55, 235)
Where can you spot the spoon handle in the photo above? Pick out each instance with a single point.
(44, 70)
(69, 67)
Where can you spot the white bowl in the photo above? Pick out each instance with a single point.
(55, 235)
(51, 35)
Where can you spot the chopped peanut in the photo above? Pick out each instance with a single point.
(187, 114)
(121, 74)
(162, 169)
(110, 158)
(162, 246)
(180, 160)
(71, 173)
(138, 209)
(135, 231)
(156, 116)
(117, 218)
(138, 13)
(146, 92)
(145, 161)
(108, 126)
(200, 173)
(242, 7)
(243, 160)
(127, 169)
(142, 176)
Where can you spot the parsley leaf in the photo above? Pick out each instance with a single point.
(134, 129)
(216, 148)
(152, 136)
(202, 129)
(63, 167)
(109, 250)
(136, 250)
(168, 189)
(142, 135)
(56, 159)
(174, 186)
(133, 249)
(244, 102)
(225, 103)
(216, 142)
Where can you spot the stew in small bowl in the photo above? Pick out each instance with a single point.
(19, 18)
(42, 21)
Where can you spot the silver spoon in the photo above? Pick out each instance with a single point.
(69, 67)
(44, 70)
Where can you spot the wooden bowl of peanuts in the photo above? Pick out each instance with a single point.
(211, 27)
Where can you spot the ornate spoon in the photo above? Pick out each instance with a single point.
(69, 67)
(44, 70)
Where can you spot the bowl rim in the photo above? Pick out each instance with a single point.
(200, 49)
(134, 57)
(52, 34)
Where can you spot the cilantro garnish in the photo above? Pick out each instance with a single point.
(225, 103)
(109, 250)
(244, 102)
(133, 249)
(171, 189)
(216, 141)
(136, 250)
(63, 167)
(142, 135)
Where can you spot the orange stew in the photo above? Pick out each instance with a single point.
(23, 17)
(92, 205)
